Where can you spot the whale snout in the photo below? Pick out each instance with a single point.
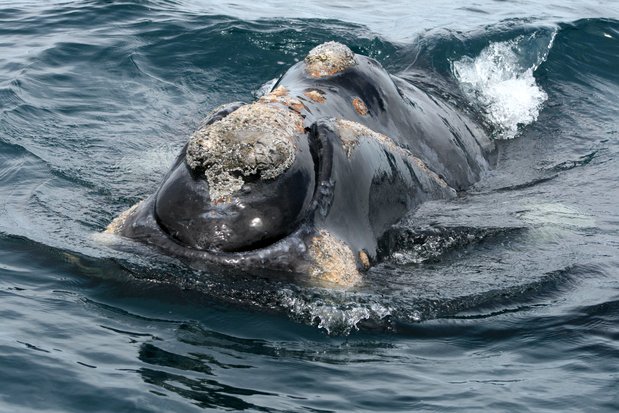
(242, 182)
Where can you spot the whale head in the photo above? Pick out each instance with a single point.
(243, 181)
(309, 177)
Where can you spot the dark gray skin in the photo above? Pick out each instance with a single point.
(371, 148)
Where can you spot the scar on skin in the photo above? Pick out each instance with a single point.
(350, 132)
(424, 167)
(315, 95)
(334, 261)
(329, 59)
(360, 106)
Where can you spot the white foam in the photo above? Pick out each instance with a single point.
(334, 313)
(500, 80)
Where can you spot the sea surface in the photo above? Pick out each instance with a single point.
(505, 299)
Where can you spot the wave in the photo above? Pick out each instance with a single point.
(500, 80)
(507, 69)
(103, 114)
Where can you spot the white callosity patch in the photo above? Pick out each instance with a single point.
(334, 261)
(254, 139)
(501, 81)
(329, 59)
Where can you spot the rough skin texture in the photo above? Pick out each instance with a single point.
(315, 95)
(329, 59)
(280, 95)
(334, 262)
(360, 107)
(256, 139)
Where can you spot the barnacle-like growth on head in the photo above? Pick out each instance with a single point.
(334, 261)
(255, 141)
(315, 95)
(360, 106)
(329, 59)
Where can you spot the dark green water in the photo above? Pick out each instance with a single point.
(505, 299)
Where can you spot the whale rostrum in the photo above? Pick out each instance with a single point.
(255, 140)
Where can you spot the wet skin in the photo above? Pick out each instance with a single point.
(368, 147)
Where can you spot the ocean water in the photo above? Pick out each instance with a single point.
(504, 299)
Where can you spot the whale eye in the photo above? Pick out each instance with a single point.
(240, 185)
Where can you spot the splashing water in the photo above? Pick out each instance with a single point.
(501, 81)
(333, 311)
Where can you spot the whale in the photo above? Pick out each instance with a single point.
(304, 181)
